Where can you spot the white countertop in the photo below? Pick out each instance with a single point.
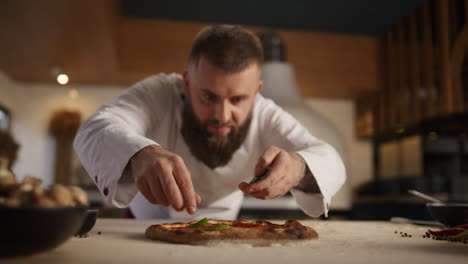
(122, 241)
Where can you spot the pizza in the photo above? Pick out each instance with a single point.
(212, 232)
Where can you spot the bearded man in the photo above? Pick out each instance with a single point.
(174, 143)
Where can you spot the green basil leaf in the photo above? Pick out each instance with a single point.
(200, 223)
(216, 227)
(255, 179)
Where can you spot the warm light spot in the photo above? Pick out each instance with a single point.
(73, 94)
(400, 130)
(62, 79)
(432, 135)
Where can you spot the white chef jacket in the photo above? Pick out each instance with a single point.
(150, 113)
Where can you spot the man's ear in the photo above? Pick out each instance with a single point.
(260, 87)
(185, 76)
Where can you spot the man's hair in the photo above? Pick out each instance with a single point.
(229, 48)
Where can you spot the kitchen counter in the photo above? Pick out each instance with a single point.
(122, 241)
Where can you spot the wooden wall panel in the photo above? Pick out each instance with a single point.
(466, 12)
(459, 58)
(458, 25)
(152, 46)
(89, 41)
(423, 72)
(331, 61)
(327, 65)
(452, 20)
(415, 68)
(445, 70)
(402, 91)
(392, 78)
(75, 36)
(428, 62)
(383, 94)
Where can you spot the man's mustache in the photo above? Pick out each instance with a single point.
(214, 122)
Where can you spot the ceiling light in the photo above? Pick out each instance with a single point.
(62, 79)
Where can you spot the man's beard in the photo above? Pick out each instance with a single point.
(213, 149)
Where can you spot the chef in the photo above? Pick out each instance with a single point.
(176, 145)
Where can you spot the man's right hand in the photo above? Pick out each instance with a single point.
(162, 177)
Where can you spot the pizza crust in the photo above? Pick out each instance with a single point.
(258, 233)
(248, 243)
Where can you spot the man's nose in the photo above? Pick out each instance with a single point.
(223, 112)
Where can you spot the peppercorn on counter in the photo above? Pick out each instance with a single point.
(123, 241)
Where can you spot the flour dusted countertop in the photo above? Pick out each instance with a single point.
(122, 241)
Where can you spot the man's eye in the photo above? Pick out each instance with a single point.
(236, 100)
(209, 97)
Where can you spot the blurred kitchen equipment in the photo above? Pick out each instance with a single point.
(402, 220)
(29, 230)
(450, 214)
(425, 196)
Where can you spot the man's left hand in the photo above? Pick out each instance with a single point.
(285, 170)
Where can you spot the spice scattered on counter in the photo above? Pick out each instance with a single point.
(454, 234)
(403, 234)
